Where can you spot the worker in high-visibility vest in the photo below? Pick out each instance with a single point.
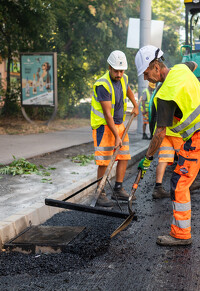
(108, 111)
(178, 107)
(146, 95)
(144, 107)
(169, 148)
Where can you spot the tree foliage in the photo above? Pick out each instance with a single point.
(22, 23)
(87, 31)
(83, 33)
(170, 12)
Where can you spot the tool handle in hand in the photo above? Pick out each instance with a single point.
(134, 188)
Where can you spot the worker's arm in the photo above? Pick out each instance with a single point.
(130, 95)
(191, 65)
(156, 141)
(106, 106)
(152, 149)
(195, 66)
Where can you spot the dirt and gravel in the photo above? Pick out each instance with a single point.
(129, 261)
(20, 126)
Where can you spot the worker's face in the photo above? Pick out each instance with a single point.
(116, 75)
(152, 74)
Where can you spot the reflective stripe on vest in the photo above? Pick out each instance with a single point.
(147, 101)
(97, 116)
(187, 122)
(182, 87)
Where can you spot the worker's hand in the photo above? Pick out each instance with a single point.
(135, 111)
(144, 165)
(118, 142)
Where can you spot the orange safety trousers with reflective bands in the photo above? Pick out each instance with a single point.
(104, 143)
(146, 118)
(184, 174)
(168, 147)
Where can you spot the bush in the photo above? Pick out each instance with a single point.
(82, 110)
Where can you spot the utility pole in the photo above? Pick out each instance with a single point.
(145, 39)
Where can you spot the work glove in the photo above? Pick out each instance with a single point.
(144, 164)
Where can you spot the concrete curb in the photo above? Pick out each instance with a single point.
(39, 212)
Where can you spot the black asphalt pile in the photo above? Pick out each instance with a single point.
(93, 241)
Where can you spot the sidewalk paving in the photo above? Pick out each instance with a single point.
(24, 204)
(32, 145)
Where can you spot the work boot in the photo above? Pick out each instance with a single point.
(103, 200)
(159, 192)
(195, 185)
(120, 194)
(145, 136)
(168, 240)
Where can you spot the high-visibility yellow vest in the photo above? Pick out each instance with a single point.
(147, 101)
(182, 87)
(97, 116)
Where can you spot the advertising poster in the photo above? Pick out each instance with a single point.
(37, 79)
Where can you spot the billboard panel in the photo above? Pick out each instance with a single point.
(38, 79)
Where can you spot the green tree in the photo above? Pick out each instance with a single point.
(170, 12)
(87, 31)
(25, 25)
(83, 33)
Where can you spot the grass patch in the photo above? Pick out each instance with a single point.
(22, 166)
(83, 160)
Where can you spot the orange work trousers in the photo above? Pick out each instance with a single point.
(104, 143)
(146, 118)
(184, 174)
(168, 147)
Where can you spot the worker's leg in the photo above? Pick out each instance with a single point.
(122, 159)
(145, 122)
(119, 191)
(186, 171)
(104, 143)
(158, 191)
(144, 127)
(121, 170)
(100, 172)
(160, 171)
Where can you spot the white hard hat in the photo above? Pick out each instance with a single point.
(117, 60)
(145, 55)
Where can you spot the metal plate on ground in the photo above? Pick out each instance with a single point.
(44, 239)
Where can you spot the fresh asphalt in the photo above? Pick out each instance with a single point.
(25, 205)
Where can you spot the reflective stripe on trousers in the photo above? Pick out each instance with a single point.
(104, 143)
(168, 147)
(184, 174)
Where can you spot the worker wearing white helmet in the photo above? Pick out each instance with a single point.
(178, 107)
(145, 56)
(108, 111)
(117, 60)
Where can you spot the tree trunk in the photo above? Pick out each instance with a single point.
(10, 106)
